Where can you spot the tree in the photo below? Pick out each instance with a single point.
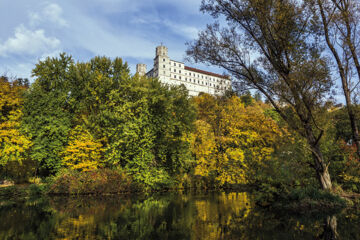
(271, 47)
(47, 116)
(338, 25)
(14, 145)
(145, 123)
(82, 153)
(232, 143)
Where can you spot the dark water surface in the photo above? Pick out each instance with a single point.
(166, 216)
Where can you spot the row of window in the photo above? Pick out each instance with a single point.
(217, 80)
(218, 88)
(179, 64)
(193, 74)
(198, 81)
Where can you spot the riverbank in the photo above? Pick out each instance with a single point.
(309, 201)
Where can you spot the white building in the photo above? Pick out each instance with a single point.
(176, 73)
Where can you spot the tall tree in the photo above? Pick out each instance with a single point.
(339, 22)
(270, 46)
(47, 117)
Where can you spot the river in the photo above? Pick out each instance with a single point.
(169, 215)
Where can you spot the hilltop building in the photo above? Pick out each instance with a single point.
(176, 73)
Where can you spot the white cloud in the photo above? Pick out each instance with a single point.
(96, 38)
(186, 30)
(111, 6)
(29, 42)
(50, 13)
(53, 12)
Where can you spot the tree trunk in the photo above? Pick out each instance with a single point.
(321, 168)
(354, 129)
(340, 65)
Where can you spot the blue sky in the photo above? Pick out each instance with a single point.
(31, 30)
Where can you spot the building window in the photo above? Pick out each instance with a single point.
(174, 70)
(185, 79)
(163, 66)
(163, 59)
(179, 71)
(175, 64)
(174, 76)
(179, 65)
(180, 77)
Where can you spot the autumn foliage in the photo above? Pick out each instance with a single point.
(83, 152)
(232, 141)
(13, 143)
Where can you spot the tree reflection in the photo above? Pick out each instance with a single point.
(330, 226)
(167, 216)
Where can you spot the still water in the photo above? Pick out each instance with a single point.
(166, 216)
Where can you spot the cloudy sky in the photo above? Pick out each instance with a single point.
(34, 29)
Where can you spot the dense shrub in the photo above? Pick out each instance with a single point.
(100, 181)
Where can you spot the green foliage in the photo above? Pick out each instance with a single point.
(299, 194)
(90, 114)
(342, 123)
(47, 118)
(310, 199)
(145, 134)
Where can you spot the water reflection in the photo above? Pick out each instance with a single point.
(166, 216)
(330, 228)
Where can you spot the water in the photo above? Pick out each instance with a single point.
(166, 216)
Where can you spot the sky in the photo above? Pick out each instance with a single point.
(32, 30)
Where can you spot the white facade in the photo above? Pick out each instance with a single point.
(176, 73)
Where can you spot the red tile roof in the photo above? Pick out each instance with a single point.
(207, 73)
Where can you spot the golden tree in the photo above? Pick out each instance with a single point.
(231, 142)
(13, 144)
(83, 153)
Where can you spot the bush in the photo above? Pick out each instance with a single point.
(100, 181)
(37, 189)
(310, 199)
(12, 192)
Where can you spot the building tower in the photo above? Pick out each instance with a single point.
(162, 64)
(141, 69)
